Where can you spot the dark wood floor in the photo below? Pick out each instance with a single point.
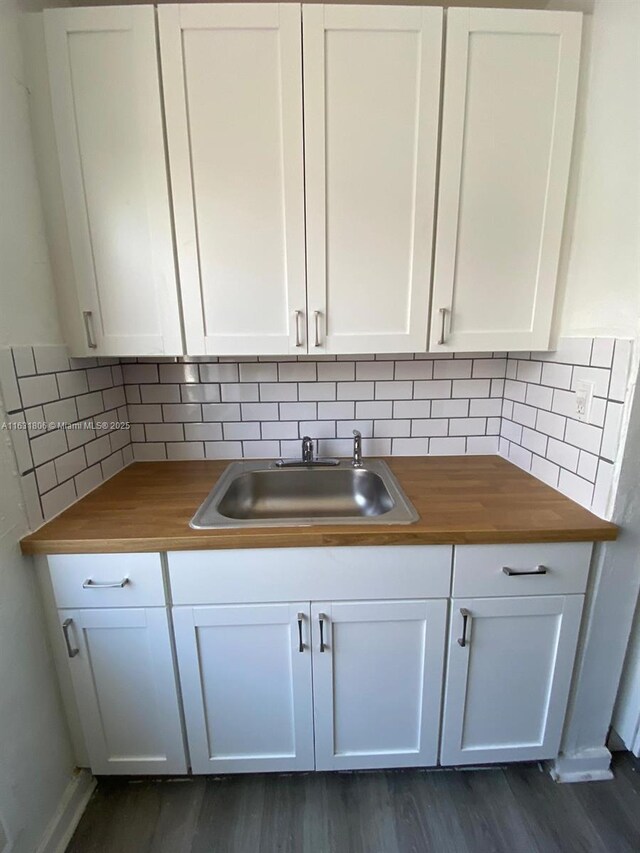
(515, 810)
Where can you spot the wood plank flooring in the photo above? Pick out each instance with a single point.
(517, 809)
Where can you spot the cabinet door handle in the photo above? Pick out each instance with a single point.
(316, 321)
(90, 584)
(539, 570)
(65, 630)
(466, 615)
(87, 316)
(443, 319)
(321, 618)
(300, 643)
(298, 332)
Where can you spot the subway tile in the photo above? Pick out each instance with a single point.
(73, 383)
(598, 409)
(539, 396)
(280, 430)
(563, 454)
(127, 455)
(88, 480)
(20, 441)
(557, 375)
(611, 432)
(259, 411)
(344, 429)
(318, 429)
(278, 392)
(584, 436)
(355, 390)
(432, 390)
(136, 374)
(36, 390)
(340, 447)
(85, 363)
(202, 432)
(414, 370)
(546, 471)
(70, 464)
(114, 397)
(58, 499)
(81, 433)
(201, 393)
(297, 411)
(8, 382)
(217, 373)
(149, 452)
(520, 456)
(246, 392)
(410, 446)
(401, 390)
(564, 403)
(412, 409)
(220, 412)
(447, 446)
(482, 444)
(143, 414)
(92, 404)
(317, 391)
(534, 441)
(471, 388)
(603, 488)
(454, 369)
(588, 466)
(602, 352)
(489, 368)
(378, 409)
(497, 388)
(598, 376)
(24, 361)
(429, 427)
(261, 449)
(99, 378)
(112, 464)
(392, 429)
(575, 487)
(511, 431)
(516, 391)
(258, 372)
(450, 408)
(51, 359)
(290, 449)
(336, 411)
(185, 450)
(33, 507)
(60, 412)
(338, 371)
(512, 369)
(493, 426)
(119, 439)
(376, 446)
(550, 424)
(394, 356)
(223, 449)
(569, 351)
(48, 446)
(132, 394)
(620, 370)
(116, 374)
(528, 371)
(165, 432)
(297, 372)
(160, 393)
(366, 370)
(241, 431)
(507, 409)
(525, 415)
(467, 426)
(485, 407)
(98, 449)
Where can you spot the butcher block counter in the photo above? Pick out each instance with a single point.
(460, 500)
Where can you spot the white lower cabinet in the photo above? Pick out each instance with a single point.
(245, 672)
(508, 677)
(377, 682)
(123, 677)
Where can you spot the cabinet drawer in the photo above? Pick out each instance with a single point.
(479, 570)
(267, 575)
(107, 580)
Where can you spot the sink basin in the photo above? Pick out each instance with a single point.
(254, 494)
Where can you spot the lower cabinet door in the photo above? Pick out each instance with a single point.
(377, 682)
(508, 677)
(245, 672)
(125, 687)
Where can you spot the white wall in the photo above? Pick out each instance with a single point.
(599, 277)
(36, 764)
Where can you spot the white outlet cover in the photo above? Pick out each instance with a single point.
(583, 400)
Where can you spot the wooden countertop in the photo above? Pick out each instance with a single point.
(460, 499)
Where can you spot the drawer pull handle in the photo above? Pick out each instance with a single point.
(300, 643)
(298, 332)
(316, 322)
(539, 570)
(321, 618)
(87, 316)
(466, 615)
(90, 584)
(443, 318)
(65, 630)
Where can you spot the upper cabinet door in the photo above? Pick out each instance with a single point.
(233, 94)
(507, 126)
(105, 91)
(371, 92)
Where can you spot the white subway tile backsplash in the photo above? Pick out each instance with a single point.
(611, 432)
(281, 430)
(36, 390)
(297, 372)
(24, 361)
(584, 436)
(201, 432)
(161, 393)
(282, 392)
(217, 373)
(467, 426)
(575, 487)
(203, 393)
(344, 429)
(535, 441)
(259, 411)
(317, 391)
(317, 429)
(58, 499)
(544, 470)
(374, 370)
(432, 390)
(454, 369)
(337, 411)
(392, 429)
(485, 407)
(51, 359)
(135, 374)
(489, 368)
(260, 449)
(562, 454)
(539, 396)
(557, 375)
(482, 444)
(240, 431)
(397, 390)
(520, 456)
(550, 424)
(223, 449)
(339, 371)
(297, 411)
(471, 388)
(528, 371)
(246, 392)
(218, 411)
(512, 431)
(48, 446)
(355, 390)
(185, 450)
(258, 372)
(412, 409)
(602, 352)
(603, 487)
(410, 446)
(165, 432)
(447, 446)
(414, 370)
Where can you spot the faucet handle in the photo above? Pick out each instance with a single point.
(357, 433)
(357, 449)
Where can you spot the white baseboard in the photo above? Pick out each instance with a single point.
(588, 765)
(70, 809)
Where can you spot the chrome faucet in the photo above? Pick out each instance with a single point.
(307, 449)
(357, 449)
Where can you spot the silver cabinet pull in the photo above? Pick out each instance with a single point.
(90, 584)
(298, 331)
(87, 316)
(65, 630)
(316, 321)
(300, 643)
(321, 618)
(443, 318)
(466, 615)
(539, 570)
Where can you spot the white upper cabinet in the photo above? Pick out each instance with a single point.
(232, 80)
(105, 91)
(371, 106)
(510, 85)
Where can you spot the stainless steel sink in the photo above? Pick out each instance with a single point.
(252, 494)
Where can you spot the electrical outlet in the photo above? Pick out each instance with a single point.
(583, 400)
